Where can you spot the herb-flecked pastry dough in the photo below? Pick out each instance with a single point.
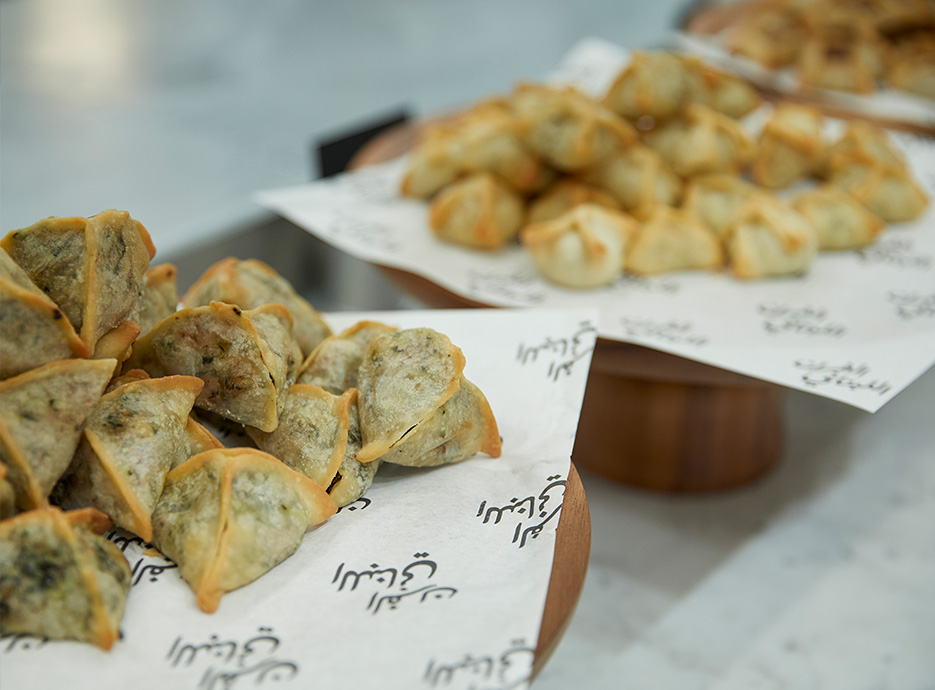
(60, 579)
(7, 496)
(160, 297)
(42, 415)
(583, 248)
(701, 141)
(92, 268)
(461, 427)
(840, 221)
(726, 93)
(250, 284)
(790, 147)
(568, 129)
(478, 211)
(228, 516)
(390, 405)
(770, 238)
(134, 436)
(334, 364)
(565, 195)
(246, 358)
(638, 178)
(33, 330)
(672, 240)
(433, 163)
(312, 434)
(353, 477)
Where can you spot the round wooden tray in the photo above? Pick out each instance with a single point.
(649, 419)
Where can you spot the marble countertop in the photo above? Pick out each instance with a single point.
(818, 576)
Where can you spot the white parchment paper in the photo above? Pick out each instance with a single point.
(858, 328)
(435, 579)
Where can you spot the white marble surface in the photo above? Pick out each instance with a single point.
(820, 576)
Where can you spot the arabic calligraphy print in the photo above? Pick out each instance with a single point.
(22, 641)
(663, 285)
(854, 377)
(392, 587)
(504, 671)
(146, 563)
(368, 232)
(559, 355)
(228, 660)
(530, 514)
(521, 286)
(361, 503)
(669, 331)
(896, 251)
(912, 305)
(785, 319)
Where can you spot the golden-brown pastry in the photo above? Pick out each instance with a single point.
(333, 365)
(227, 516)
(60, 579)
(250, 284)
(864, 144)
(312, 434)
(842, 53)
(92, 268)
(672, 240)
(7, 495)
(134, 436)
(772, 36)
(462, 426)
(715, 200)
(42, 415)
(701, 141)
(840, 221)
(790, 146)
(159, 299)
(479, 211)
(638, 178)
(390, 406)
(433, 163)
(583, 248)
(914, 72)
(886, 191)
(563, 196)
(246, 358)
(655, 83)
(33, 330)
(726, 93)
(353, 477)
(769, 238)
(568, 129)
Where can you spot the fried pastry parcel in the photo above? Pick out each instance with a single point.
(133, 438)
(92, 268)
(790, 146)
(583, 248)
(250, 284)
(769, 238)
(334, 364)
(246, 358)
(478, 211)
(638, 178)
(702, 141)
(726, 93)
(563, 196)
(892, 194)
(772, 36)
(672, 240)
(7, 495)
(60, 579)
(229, 515)
(160, 297)
(840, 221)
(715, 200)
(433, 163)
(33, 330)
(42, 415)
(655, 83)
(353, 477)
(312, 434)
(405, 376)
(568, 129)
(843, 52)
(461, 427)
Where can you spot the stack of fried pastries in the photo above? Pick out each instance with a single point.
(105, 381)
(659, 175)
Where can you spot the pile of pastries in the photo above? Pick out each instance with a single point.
(103, 381)
(846, 45)
(658, 175)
